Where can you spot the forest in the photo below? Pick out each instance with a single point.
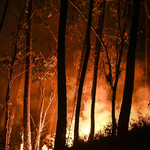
(74, 74)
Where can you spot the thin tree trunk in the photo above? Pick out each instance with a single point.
(26, 109)
(118, 62)
(11, 117)
(86, 46)
(8, 103)
(9, 121)
(62, 114)
(97, 53)
(3, 17)
(129, 79)
(114, 89)
(42, 116)
(146, 31)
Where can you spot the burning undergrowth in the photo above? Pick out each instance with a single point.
(103, 126)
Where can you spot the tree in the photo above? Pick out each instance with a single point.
(42, 116)
(27, 86)
(61, 122)
(129, 79)
(97, 53)
(86, 49)
(43, 69)
(146, 46)
(10, 114)
(8, 103)
(119, 57)
(114, 57)
(3, 17)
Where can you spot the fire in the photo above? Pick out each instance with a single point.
(86, 131)
(69, 138)
(103, 111)
(21, 146)
(45, 148)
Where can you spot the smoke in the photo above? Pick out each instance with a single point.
(140, 100)
(102, 110)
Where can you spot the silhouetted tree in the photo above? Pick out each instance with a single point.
(10, 114)
(119, 48)
(8, 103)
(86, 49)
(112, 77)
(146, 45)
(3, 17)
(61, 122)
(27, 86)
(129, 79)
(97, 53)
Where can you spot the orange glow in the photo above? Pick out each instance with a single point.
(141, 97)
(45, 148)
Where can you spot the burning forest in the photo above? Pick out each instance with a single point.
(74, 74)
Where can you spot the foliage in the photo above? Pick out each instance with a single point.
(43, 67)
(138, 138)
(141, 122)
(5, 62)
(45, 15)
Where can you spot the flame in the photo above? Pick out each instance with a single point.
(45, 148)
(86, 131)
(21, 146)
(141, 97)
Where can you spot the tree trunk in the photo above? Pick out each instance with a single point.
(42, 116)
(11, 117)
(118, 60)
(62, 114)
(8, 104)
(97, 53)
(86, 46)
(9, 121)
(129, 79)
(114, 89)
(3, 17)
(146, 36)
(27, 86)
